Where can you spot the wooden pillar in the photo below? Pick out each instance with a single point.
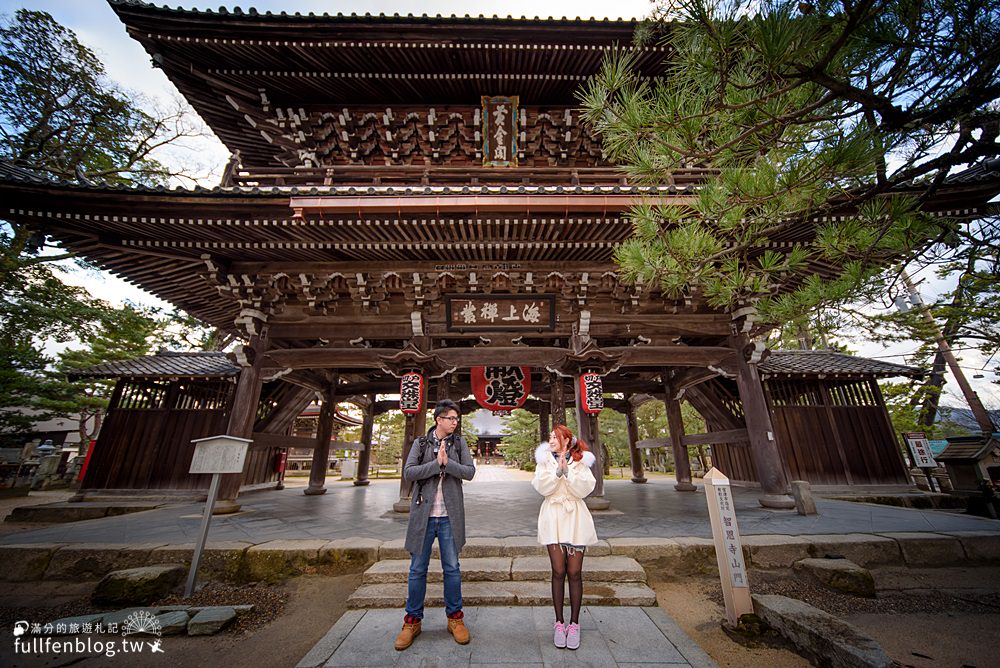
(632, 427)
(589, 432)
(242, 417)
(324, 431)
(557, 401)
(543, 421)
(675, 422)
(763, 447)
(416, 426)
(365, 456)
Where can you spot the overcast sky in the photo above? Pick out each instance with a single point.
(127, 63)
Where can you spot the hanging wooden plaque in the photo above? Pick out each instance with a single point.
(500, 131)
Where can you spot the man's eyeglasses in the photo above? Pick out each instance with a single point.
(450, 418)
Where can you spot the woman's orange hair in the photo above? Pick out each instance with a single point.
(566, 436)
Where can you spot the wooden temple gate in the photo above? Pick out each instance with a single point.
(419, 195)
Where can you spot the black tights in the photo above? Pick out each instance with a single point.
(564, 564)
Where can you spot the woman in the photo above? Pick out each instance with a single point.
(565, 527)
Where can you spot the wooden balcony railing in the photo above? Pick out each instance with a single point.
(418, 175)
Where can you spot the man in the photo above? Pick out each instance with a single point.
(437, 465)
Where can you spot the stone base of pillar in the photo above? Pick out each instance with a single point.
(225, 507)
(685, 487)
(638, 481)
(314, 491)
(361, 483)
(597, 503)
(402, 506)
(778, 501)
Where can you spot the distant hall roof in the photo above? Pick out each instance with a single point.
(165, 364)
(829, 363)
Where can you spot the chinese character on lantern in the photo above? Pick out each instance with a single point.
(411, 393)
(501, 389)
(592, 392)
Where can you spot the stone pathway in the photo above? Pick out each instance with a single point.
(611, 636)
(493, 510)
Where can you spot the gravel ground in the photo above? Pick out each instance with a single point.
(892, 601)
(268, 603)
(42, 603)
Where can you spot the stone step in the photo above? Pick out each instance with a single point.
(501, 569)
(393, 595)
(64, 511)
(595, 569)
(475, 569)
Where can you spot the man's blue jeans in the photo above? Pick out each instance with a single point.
(417, 588)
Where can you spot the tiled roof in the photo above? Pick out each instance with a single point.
(967, 447)
(165, 364)
(829, 363)
(987, 169)
(253, 14)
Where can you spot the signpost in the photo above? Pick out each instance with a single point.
(728, 546)
(216, 455)
(920, 451)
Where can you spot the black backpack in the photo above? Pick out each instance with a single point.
(420, 460)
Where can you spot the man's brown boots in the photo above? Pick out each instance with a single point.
(411, 629)
(456, 627)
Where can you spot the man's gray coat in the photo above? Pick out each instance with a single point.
(460, 467)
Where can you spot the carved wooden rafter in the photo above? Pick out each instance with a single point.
(322, 293)
(410, 358)
(418, 136)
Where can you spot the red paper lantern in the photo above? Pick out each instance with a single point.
(411, 393)
(501, 389)
(591, 392)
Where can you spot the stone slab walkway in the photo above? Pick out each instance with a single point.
(611, 636)
(494, 509)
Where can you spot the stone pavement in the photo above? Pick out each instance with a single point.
(501, 503)
(610, 636)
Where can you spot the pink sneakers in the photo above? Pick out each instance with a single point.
(559, 634)
(572, 636)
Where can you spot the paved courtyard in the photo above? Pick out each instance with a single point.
(610, 636)
(499, 503)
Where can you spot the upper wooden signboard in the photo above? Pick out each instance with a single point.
(470, 313)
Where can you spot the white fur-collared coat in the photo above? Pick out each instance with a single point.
(564, 517)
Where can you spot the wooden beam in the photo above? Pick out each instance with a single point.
(533, 356)
(730, 436)
(294, 268)
(713, 437)
(263, 440)
(520, 204)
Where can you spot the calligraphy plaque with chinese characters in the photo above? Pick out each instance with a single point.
(481, 313)
(920, 448)
(500, 131)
